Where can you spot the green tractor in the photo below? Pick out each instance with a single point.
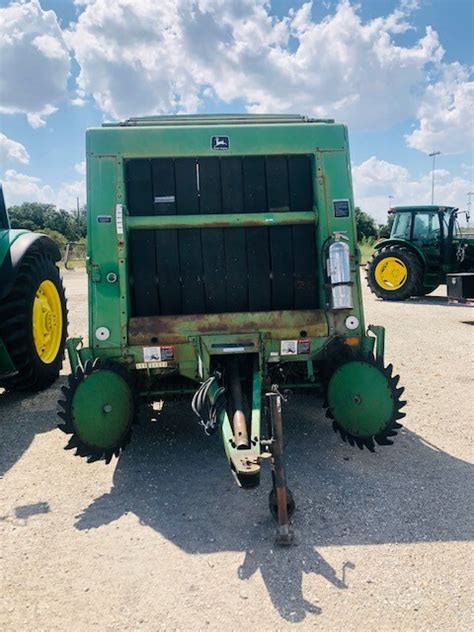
(223, 266)
(424, 246)
(33, 315)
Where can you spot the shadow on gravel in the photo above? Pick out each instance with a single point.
(424, 300)
(22, 417)
(176, 480)
(24, 512)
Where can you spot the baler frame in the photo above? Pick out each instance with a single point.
(199, 344)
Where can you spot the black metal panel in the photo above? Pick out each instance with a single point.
(304, 237)
(142, 243)
(215, 270)
(258, 255)
(212, 239)
(281, 237)
(167, 248)
(234, 239)
(190, 251)
(460, 285)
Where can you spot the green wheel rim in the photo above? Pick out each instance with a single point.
(102, 410)
(361, 399)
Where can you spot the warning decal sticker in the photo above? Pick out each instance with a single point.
(295, 347)
(304, 345)
(167, 353)
(288, 347)
(158, 354)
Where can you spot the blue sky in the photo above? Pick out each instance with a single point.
(397, 71)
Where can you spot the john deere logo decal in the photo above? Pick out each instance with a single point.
(220, 143)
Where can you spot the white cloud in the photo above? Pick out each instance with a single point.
(19, 187)
(34, 61)
(374, 180)
(12, 151)
(80, 167)
(445, 113)
(142, 56)
(37, 119)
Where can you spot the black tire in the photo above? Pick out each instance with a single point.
(16, 324)
(414, 282)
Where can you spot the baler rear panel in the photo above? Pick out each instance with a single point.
(214, 270)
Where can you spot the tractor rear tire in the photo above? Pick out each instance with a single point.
(33, 323)
(403, 259)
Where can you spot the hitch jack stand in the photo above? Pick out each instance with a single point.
(280, 490)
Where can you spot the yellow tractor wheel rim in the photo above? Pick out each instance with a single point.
(47, 321)
(391, 273)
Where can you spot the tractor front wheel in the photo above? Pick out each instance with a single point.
(33, 323)
(395, 273)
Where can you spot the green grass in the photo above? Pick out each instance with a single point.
(366, 250)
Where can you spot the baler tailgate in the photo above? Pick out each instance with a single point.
(214, 270)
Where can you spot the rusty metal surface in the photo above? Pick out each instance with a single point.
(177, 329)
(284, 533)
(239, 423)
(282, 217)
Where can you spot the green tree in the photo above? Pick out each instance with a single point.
(365, 225)
(31, 215)
(37, 216)
(59, 238)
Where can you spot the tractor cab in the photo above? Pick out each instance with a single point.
(429, 228)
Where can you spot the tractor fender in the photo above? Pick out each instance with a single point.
(406, 244)
(19, 245)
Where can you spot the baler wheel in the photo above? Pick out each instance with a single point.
(363, 400)
(98, 410)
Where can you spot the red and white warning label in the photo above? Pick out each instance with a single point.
(304, 345)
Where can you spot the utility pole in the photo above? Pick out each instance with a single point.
(469, 202)
(433, 155)
(390, 198)
(78, 213)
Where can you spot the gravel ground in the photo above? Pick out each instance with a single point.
(164, 540)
